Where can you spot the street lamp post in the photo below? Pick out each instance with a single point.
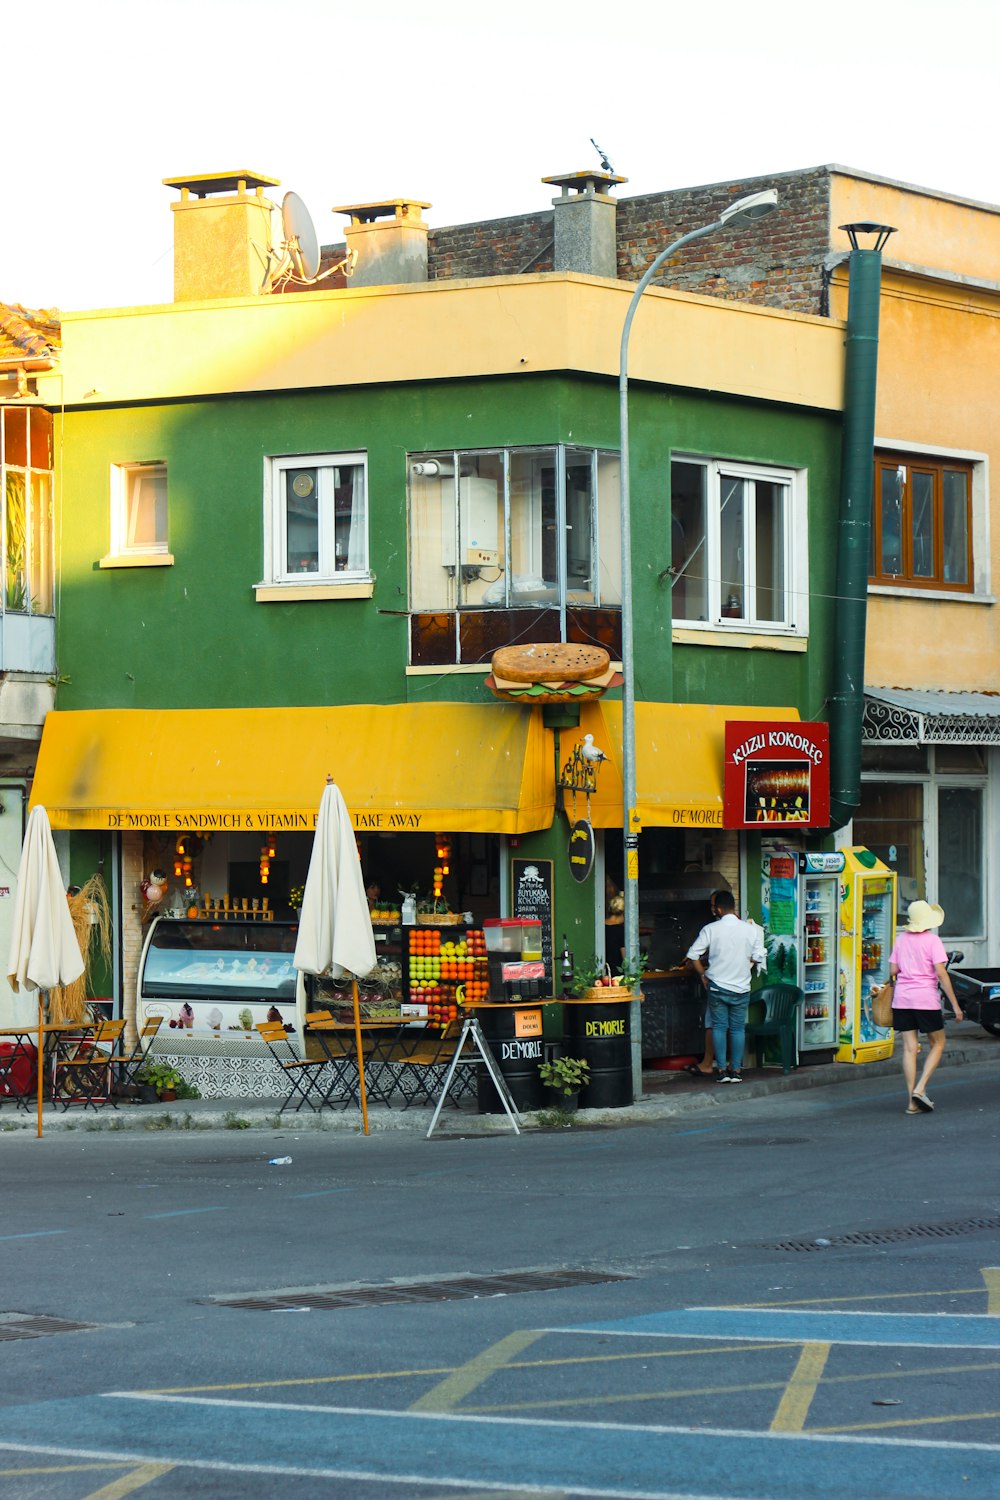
(743, 210)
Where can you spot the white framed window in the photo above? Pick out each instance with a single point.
(739, 546)
(139, 509)
(316, 519)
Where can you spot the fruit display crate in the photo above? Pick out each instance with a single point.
(444, 966)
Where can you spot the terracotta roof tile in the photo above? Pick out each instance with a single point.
(25, 334)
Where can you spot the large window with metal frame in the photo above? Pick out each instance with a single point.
(26, 499)
(922, 523)
(512, 543)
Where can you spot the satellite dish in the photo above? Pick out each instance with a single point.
(301, 243)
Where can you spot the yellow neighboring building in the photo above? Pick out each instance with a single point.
(931, 755)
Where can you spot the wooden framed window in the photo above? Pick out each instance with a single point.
(922, 523)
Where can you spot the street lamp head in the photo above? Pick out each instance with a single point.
(753, 207)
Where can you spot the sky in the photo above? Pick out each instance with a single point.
(463, 106)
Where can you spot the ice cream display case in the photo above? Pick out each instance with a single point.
(213, 981)
(867, 934)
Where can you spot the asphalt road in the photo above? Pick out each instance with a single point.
(772, 1297)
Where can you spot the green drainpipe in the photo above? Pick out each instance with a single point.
(854, 525)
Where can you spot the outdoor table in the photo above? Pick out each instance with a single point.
(56, 1036)
(383, 1036)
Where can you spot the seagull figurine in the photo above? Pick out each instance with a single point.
(590, 751)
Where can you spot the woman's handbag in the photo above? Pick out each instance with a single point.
(882, 1006)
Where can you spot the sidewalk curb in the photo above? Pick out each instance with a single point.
(662, 1101)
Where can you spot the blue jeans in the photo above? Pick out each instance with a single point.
(728, 1013)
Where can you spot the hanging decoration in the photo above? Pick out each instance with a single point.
(268, 850)
(442, 852)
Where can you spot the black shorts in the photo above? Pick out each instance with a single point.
(917, 1020)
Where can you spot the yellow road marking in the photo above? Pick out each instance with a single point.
(865, 1377)
(965, 1416)
(793, 1408)
(603, 1399)
(991, 1276)
(65, 1468)
(958, 1291)
(136, 1480)
(700, 1351)
(446, 1395)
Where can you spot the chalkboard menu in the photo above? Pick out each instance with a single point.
(531, 896)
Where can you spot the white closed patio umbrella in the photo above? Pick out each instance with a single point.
(335, 927)
(44, 951)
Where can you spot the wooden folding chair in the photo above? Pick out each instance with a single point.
(303, 1073)
(338, 1045)
(129, 1063)
(86, 1077)
(422, 1068)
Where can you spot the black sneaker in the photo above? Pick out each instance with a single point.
(723, 1076)
(734, 1076)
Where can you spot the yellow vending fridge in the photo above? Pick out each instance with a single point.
(867, 933)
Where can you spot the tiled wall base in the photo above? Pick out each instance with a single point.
(221, 1077)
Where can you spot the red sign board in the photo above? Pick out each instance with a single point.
(776, 773)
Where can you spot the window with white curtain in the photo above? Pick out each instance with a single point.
(738, 543)
(316, 519)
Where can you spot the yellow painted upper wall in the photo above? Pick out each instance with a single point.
(366, 335)
(938, 383)
(948, 234)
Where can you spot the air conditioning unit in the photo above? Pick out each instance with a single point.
(478, 526)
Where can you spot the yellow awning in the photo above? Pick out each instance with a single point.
(483, 768)
(679, 760)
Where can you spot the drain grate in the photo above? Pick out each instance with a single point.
(894, 1236)
(27, 1326)
(454, 1289)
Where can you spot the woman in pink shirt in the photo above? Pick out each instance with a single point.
(917, 965)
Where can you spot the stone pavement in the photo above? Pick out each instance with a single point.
(666, 1095)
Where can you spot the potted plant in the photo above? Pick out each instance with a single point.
(564, 1077)
(168, 1083)
(295, 897)
(245, 1018)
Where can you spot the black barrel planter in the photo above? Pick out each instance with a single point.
(600, 1031)
(517, 1057)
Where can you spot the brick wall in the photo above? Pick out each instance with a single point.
(133, 933)
(775, 262)
(496, 247)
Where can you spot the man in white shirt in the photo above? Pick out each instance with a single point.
(730, 951)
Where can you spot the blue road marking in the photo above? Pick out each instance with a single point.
(798, 1326)
(32, 1234)
(181, 1213)
(598, 1459)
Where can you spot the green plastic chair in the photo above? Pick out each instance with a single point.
(780, 1023)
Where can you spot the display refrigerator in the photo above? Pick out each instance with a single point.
(801, 905)
(867, 934)
(213, 981)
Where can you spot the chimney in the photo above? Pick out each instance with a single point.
(222, 235)
(390, 239)
(585, 237)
